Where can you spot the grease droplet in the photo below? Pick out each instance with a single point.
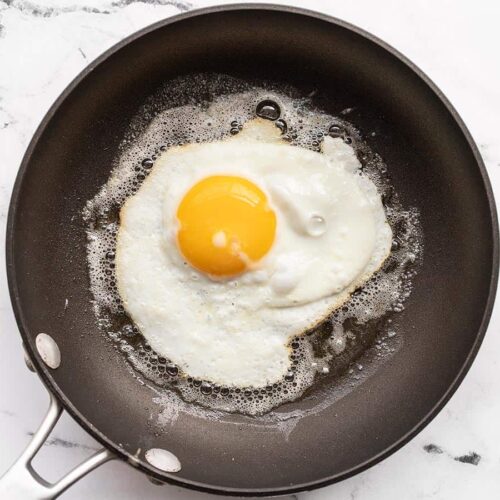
(268, 109)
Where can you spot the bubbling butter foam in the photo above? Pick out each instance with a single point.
(206, 108)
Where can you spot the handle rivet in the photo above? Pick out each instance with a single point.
(163, 460)
(48, 350)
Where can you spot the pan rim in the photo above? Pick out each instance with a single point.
(44, 372)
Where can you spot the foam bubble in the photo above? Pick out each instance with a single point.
(206, 108)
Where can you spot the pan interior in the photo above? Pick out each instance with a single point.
(220, 106)
(432, 166)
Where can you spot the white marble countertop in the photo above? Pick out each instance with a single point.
(44, 44)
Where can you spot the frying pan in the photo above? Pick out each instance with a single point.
(434, 166)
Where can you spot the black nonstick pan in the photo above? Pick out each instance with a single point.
(433, 163)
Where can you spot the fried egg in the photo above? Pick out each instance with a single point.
(229, 249)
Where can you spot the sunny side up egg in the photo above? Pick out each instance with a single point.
(229, 249)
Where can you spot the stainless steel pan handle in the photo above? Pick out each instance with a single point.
(22, 482)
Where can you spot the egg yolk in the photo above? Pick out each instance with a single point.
(225, 224)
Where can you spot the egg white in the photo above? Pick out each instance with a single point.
(236, 332)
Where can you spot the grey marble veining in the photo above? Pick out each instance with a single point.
(44, 44)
